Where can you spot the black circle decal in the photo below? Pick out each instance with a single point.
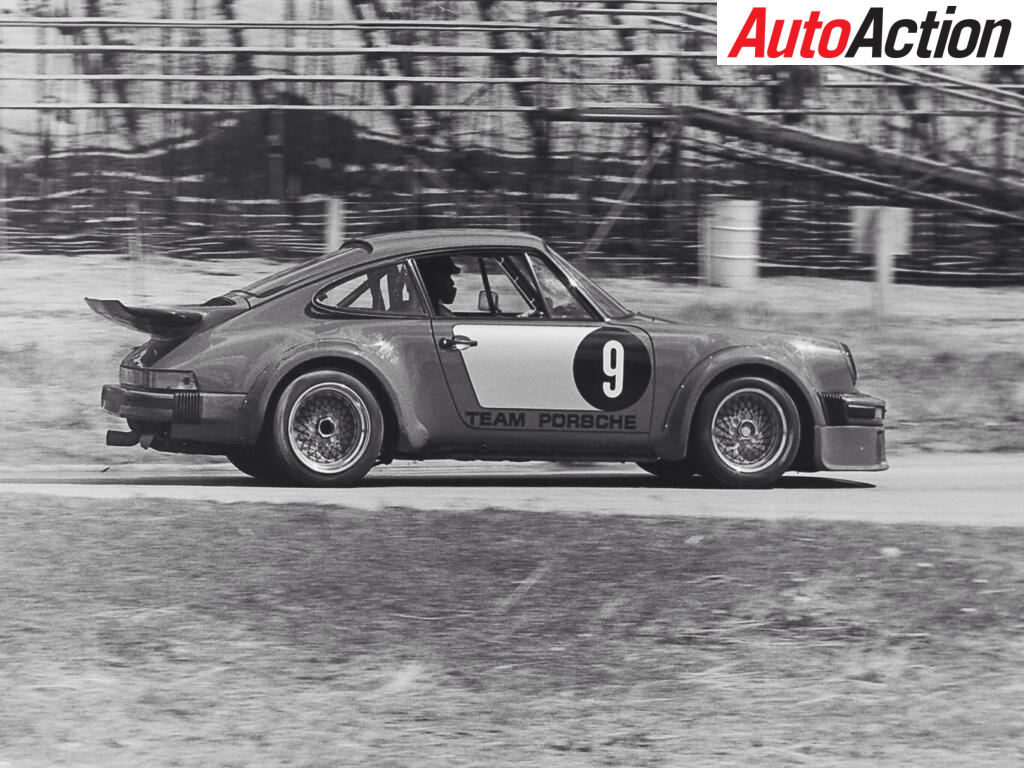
(612, 369)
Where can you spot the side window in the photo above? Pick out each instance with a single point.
(487, 287)
(560, 298)
(489, 284)
(387, 289)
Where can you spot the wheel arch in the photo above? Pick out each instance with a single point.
(676, 436)
(353, 367)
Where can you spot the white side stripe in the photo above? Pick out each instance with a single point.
(524, 365)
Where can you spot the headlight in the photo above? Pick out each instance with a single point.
(850, 362)
(153, 378)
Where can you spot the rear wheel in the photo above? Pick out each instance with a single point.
(255, 462)
(747, 432)
(327, 429)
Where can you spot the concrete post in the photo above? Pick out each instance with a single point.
(884, 232)
(4, 243)
(334, 225)
(891, 239)
(704, 245)
(136, 253)
(734, 242)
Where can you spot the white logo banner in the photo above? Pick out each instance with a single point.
(794, 32)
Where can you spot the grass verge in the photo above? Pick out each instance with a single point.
(238, 635)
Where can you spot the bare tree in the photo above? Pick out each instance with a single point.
(525, 96)
(243, 62)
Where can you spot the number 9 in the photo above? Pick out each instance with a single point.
(614, 361)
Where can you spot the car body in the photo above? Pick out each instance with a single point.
(318, 372)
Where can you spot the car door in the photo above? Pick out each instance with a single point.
(530, 365)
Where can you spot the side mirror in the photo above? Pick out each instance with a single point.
(483, 304)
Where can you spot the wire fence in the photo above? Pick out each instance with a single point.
(201, 133)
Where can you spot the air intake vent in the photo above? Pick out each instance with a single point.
(220, 301)
(188, 407)
(835, 408)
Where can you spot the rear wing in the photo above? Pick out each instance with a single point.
(161, 322)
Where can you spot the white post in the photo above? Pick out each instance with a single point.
(135, 235)
(704, 244)
(4, 243)
(734, 242)
(334, 227)
(136, 253)
(891, 239)
(862, 229)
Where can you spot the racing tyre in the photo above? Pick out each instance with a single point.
(327, 429)
(255, 462)
(669, 471)
(746, 433)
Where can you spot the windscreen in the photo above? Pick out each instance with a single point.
(604, 302)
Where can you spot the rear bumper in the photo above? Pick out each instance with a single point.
(201, 417)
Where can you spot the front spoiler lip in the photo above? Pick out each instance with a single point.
(850, 448)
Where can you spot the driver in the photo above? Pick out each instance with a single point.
(437, 274)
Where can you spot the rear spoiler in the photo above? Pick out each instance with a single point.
(161, 322)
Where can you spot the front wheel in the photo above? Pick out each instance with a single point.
(328, 429)
(747, 432)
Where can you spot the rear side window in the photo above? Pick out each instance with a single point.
(295, 274)
(381, 290)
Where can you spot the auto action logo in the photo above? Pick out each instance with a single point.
(813, 32)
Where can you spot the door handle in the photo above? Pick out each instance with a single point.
(456, 342)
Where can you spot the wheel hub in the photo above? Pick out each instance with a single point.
(328, 427)
(749, 430)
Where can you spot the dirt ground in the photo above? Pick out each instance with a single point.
(238, 635)
(950, 362)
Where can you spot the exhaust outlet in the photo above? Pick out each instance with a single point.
(122, 439)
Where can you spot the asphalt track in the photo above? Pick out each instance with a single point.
(942, 489)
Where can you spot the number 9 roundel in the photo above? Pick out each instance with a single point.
(612, 369)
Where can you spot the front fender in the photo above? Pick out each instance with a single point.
(672, 441)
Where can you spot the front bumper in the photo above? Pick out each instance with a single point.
(850, 448)
(199, 417)
(853, 437)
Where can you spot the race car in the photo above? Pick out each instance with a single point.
(477, 344)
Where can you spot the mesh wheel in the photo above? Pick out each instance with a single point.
(747, 432)
(328, 429)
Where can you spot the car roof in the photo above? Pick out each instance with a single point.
(419, 241)
(377, 248)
